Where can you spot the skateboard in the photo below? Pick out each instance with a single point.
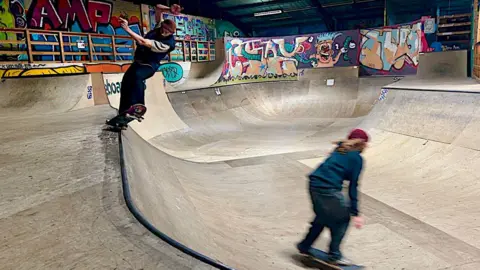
(322, 257)
(120, 122)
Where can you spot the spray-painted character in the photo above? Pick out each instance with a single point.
(323, 56)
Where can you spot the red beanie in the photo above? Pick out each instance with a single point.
(358, 134)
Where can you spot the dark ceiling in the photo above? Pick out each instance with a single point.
(328, 12)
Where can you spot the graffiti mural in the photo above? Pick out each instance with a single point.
(12, 15)
(192, 27)
(7, 20)
(91, 16)
(265, 59)
(30, 70)
(172, 72)
(391, 50)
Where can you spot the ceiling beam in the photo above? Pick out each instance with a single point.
(287, 23)
(361, 17)
(327, 18)
(285, 12)
(258, 4)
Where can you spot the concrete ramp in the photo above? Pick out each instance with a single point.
(229, 179)
(271, 118)
(203, 74)
(440, 71)
(449, 64)
(61, 203)
(27, 96)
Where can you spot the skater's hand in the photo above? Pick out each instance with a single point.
(123, 23)
(358, 221)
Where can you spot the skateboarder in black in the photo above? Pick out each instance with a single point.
(325, 185)
(151, 49)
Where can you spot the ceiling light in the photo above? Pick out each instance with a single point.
(266, 13)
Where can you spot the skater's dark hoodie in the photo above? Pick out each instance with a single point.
(345, 163)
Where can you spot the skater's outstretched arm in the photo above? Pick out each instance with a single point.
(154, 45)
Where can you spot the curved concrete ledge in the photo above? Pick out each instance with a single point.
(249, 215)
(139, 216)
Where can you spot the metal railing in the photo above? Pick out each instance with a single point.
(45, 46)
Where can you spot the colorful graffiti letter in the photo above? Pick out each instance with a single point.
(391, 51)
(67, 12)
(264, 59)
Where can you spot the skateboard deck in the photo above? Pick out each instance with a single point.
(121, 121)
(322, 257)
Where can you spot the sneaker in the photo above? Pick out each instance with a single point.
(302, 250)
(342, 261)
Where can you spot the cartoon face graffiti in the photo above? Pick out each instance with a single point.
(324, 51)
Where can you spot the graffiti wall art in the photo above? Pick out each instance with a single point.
(80, 16)
(391, 50)
(192, 27)
(174, 73)
(265, 59)
(35, 70)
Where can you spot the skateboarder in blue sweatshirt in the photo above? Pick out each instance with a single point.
(151, 49)
(325, 185)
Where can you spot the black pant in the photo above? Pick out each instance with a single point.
(331, 212)
(133, 86)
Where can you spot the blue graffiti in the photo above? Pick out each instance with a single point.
(89, 92)
(172, 72)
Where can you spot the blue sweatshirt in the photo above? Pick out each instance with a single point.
(337, 168)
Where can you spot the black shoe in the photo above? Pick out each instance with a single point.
(302, 250)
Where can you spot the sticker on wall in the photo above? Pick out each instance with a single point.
(429, 26)
(383, 95)
(89, 92)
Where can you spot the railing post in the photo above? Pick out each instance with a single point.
(208, 50)
(198, 60)
(60, 41)
(90, 47)
(190, 50)
(184, 49)
(29, 46)
(114, 49)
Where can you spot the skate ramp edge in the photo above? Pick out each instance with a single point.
(199, 204)
(440, 71)
(203, 74)
(52, 94)
(181, 201)
(144, 221)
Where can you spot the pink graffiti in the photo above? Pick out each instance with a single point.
(66, 12)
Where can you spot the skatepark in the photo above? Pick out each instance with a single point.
(225, 175)
(215, 177)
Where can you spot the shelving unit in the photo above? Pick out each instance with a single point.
(454, 28)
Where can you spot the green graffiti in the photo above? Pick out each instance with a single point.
(346, 44)
(172, 72)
